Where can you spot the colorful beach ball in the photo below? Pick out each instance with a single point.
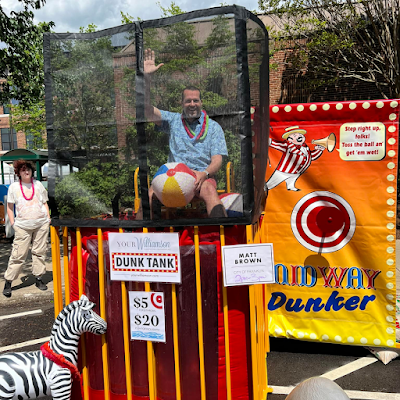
(173, 184)
(233, 203)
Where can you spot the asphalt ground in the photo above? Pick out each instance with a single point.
(359, 373)
(24, 289)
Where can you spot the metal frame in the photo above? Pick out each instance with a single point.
(241, 17)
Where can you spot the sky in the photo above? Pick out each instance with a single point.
(70, 15)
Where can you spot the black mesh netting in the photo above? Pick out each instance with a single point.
(104, 150)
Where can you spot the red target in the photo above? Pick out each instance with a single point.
(323, 222)
(157, 300)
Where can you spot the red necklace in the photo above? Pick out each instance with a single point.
(60, 360)
(22, 190)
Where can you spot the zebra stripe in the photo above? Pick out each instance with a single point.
(7, 386)
(32, 375)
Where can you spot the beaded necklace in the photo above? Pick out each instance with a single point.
(203, 132)
(22, 190)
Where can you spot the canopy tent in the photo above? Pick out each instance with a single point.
(40, 157)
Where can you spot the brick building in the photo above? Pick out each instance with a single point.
(288, 85)
(124, 111)
(9, 138)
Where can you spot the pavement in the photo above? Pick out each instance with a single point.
(24, 289)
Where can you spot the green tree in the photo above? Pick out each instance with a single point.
(99, 188)
(32, 121)
(220, 35)
(21, 59)
(336, 39)
(85, 128)
(83, 94)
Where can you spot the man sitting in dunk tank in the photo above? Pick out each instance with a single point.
(194, 139)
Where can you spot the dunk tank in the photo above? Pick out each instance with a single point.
(114, 180)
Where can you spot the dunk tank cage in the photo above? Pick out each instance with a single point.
(103, 154)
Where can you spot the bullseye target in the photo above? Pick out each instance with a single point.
(323, 222)
(157, 300)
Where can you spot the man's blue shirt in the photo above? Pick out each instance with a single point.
(195, 154)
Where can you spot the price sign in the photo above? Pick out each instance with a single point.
(147, 316)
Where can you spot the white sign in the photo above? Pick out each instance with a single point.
(248, 264)
(147, 316)
(145, 257)
(362, 141)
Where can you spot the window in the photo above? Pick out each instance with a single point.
(29, 141)
(7, 107)
(8, 141)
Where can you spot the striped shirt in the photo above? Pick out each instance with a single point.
(296, 158)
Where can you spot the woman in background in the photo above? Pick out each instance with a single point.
(31, 224)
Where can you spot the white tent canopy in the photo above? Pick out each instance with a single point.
(9, 176)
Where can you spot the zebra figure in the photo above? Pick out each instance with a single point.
(49, 371)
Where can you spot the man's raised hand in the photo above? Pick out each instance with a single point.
(149, 62)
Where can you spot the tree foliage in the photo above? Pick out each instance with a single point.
(336, 39)
(99, 188)
(32, 121)
(21, 59)
(83, 100)
(85, 130)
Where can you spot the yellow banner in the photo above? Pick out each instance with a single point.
(331, 216)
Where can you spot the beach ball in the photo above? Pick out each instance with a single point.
(173, 184)
(233, 203)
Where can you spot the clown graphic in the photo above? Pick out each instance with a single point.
(295, 160)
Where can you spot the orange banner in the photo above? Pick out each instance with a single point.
(331, 216)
